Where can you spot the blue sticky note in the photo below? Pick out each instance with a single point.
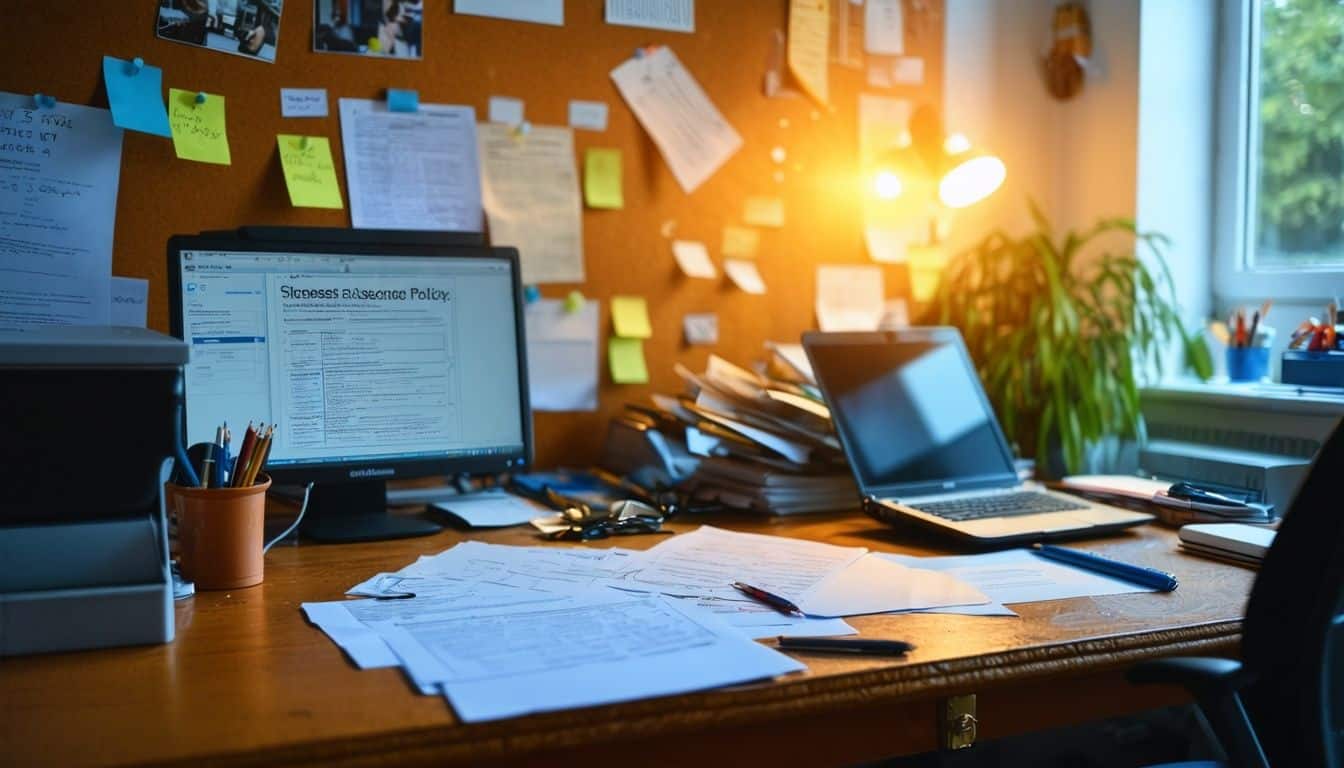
(403, 100)
(136, 97)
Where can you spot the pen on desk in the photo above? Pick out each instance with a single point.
(846, 645)
(774, 601)
(1146, 577)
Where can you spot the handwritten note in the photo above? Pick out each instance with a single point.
(310, 173)
(740, 242)
(626, 358)
(136, 96)
(764, 211)
(630, 317)
(808, 53)
(883, 31)
(128, 301)
(672, 15)
(602, 179)
(199, 127)
(303, 102)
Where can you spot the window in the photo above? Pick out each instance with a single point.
(1280, 168)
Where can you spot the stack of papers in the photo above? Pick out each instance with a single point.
(503, 631)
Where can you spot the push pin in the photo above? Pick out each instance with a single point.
(522, 129)
(44, 101)
(574, 302)
(531, 294)
(137, 64)
(200, 97)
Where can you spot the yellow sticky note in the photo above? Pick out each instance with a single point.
(626, 357)
(740, 242)
(764, 212)
(809, 39)
(199, 129)
(602, 179)
(309, 172)
(630, 317)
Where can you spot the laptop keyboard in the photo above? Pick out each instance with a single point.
(999, 505)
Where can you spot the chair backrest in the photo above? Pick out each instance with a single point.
(1290, 639)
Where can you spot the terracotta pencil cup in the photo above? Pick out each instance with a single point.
(219, 534)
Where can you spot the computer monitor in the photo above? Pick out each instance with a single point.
(372, 362)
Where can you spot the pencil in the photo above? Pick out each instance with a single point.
(244, 453)
(258, 457)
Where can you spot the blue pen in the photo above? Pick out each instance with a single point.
(1146, 577)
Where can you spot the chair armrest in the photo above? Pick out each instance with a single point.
(1203, 676)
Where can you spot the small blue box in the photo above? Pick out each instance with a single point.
(1313, 369)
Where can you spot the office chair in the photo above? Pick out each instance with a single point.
(1283, 703)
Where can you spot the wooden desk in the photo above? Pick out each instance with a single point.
(249, 682)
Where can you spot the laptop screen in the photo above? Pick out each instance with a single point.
(911, 411)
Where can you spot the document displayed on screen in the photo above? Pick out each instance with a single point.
(59, 168)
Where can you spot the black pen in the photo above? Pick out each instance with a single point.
(846, 645)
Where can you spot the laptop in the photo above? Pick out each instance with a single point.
(924, 444)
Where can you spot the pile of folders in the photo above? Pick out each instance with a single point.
(758, 439)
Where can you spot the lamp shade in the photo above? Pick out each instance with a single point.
(970, 179)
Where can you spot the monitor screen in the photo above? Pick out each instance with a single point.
(911, 410)
(356, 359)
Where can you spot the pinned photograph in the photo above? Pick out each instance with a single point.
(244, 27)
(386, 28)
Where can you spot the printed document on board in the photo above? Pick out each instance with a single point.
(411, 170)
(59, 169)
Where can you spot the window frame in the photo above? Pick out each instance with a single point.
(1234, 194)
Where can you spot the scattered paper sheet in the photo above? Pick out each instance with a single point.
(128, 301)
(630, 317)
(562, 355)
(740, 242)
(59, 171)
(588, 115)
(849, 298)
(506, 110)
(310, 173)
(626, 357)
(414, 170)
(136, 98)
(870, 585)
(761, 621)
(602, 187)
(701, 328)
(536, 11)
(303, 102)
(200, 131)
(883, 31)
(809, 39)
(1018, 576)
(672, 15)
(883, 122)
(744, 275)
(908, 70)
(693, 258)
(531, 194)
(491, 508)
(690, 132)
(762, 211)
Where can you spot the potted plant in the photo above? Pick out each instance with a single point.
(1063, 331)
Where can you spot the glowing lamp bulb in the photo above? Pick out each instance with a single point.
(887, 185)
(972, 181)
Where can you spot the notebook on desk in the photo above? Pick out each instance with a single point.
(924, 444)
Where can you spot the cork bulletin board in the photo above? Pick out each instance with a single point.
(58, 48)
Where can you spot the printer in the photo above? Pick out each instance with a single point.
(87, 429)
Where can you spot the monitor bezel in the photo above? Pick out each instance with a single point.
(938, 335)
(391, 468)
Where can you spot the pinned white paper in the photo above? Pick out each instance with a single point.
(562, 356)
(908, 70)
(128, 301)
(672, 15)
(883, 122)
(536, 11)
(744, 275)
(849, 298)
(506, 110)
(701, 328)
(303, 102)
(694, 259)
(883, 31)
(588, 115)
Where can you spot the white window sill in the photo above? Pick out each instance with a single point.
(1265, 396)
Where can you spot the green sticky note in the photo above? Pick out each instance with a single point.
(627, 361)
(602, 179)
(309, 172)
(630, 317)
(198, 126)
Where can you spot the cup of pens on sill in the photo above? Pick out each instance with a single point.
(221, 510)
(1247, 339)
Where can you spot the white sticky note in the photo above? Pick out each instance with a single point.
(883, 30)
(849, 298)
(744, 275)
(562, 355)
(885, 245)
(701, 328)
(672, 15)
(536, 11)
(908, 70)
(693, 258)
(588, 115)
(506, 109)
(762, 211)
(128, 301)
(303, 102)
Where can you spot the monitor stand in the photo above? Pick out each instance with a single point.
(357, 511)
